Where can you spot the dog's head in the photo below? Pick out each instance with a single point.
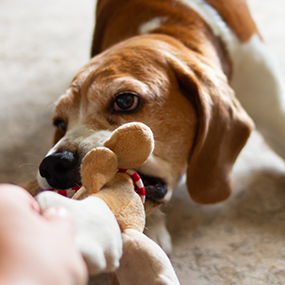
(199, 127)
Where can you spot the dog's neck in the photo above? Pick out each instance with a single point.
(120, 20)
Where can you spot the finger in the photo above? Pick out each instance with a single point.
(17, 195)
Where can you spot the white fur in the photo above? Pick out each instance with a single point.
(258, 86)
(54, 148)
(81, 135)
(151, 25)
(155, 166)
(256, 80)
(42, 182)
(219, 27)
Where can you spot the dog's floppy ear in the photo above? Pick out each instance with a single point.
(223, 128)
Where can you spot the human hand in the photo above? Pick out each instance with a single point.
(98, 235)
(35, 248)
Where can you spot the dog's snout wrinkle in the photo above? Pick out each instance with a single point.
(60, 169)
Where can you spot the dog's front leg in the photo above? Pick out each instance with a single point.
(157, 231)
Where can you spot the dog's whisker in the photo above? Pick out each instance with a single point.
(48, 106)
(32, 154)
(28, 164)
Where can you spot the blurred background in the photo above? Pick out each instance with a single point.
(240, 241)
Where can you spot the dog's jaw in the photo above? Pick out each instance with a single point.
(158, 167)
(154, 167)
(83, 140)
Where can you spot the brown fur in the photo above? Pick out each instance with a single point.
(184, 24)
(165, 107)
(180, 71)
(173, 74)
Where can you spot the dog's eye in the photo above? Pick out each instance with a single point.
(126, 102)
(60, 124)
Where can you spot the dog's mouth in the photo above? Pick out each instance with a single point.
(155, 188)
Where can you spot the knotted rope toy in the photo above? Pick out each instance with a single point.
(69, 193)
(138, 183)
(109, 215)
(139, 187)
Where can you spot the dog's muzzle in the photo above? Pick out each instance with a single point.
(61, 169)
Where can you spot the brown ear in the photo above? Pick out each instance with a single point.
(98, 167)
(223, 128)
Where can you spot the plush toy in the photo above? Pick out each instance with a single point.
(109, 214)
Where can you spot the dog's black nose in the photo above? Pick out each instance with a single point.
(61, 170)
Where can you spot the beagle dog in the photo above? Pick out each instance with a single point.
(192, 70)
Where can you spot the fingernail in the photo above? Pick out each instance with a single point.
(60, 212)
(63, 213)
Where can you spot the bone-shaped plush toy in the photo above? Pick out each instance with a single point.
(109, 215)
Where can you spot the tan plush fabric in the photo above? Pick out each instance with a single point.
(241, 241)
(112, 207)
(132, 146)
(129, 146)
(143, 262)
(119, 194)
(98, 167)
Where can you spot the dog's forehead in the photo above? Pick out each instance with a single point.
(126, 66)
(137, 56)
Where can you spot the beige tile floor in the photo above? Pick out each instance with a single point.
(241, 241)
